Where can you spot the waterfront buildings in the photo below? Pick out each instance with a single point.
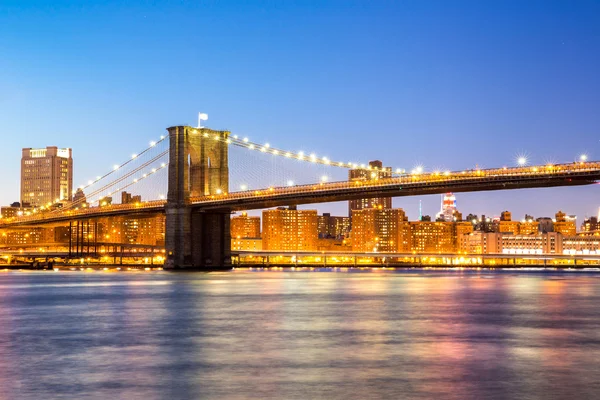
(46, 176)
(379, 230)
(564, 224)
(244, 227)
(289, 229)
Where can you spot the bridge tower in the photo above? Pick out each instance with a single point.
(198, 166)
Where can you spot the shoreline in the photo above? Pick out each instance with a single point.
(292, 268)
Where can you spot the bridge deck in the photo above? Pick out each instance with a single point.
(406, 185)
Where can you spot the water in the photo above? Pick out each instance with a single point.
(295, 335)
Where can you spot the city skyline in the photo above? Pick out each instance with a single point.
(422, 84)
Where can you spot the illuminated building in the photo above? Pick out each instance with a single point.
(149, 230)
(46, 176)
(14, 210)
(289, 229)
(243, 226)
(565, 224)
(581, 244)
(448, 209)
(248, 244)
(589, 224)
(143, 230)
(333, 227)
(529, 226)
(462, 228)
(506, 224)
(29, 236)
(376, 229)
(503, 243)
(432, 237)
(375, 171)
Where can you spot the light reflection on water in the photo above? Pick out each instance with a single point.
(286, 335)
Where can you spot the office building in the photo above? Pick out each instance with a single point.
(46, 176)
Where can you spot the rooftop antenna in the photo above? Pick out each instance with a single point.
(201, 117)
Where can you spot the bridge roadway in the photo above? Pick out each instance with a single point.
(576, 173)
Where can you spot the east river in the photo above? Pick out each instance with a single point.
(300, 335)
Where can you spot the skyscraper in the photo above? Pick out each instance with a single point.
(374, 171)
(46, 175)
(448, 207)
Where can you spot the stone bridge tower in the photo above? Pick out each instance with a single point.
(198, 166)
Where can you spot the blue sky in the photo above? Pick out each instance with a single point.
(446, 84)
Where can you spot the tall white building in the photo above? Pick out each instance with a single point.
(448, 207)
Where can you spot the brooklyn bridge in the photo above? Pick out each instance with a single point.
(193, 165)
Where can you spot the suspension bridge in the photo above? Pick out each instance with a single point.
(188, 177)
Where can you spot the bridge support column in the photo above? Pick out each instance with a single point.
(198, 166)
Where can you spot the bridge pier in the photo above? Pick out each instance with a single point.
(198, 166)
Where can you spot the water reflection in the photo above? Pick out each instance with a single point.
(299, 335)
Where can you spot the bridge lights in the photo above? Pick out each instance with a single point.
(583, 157)
(116, 167)
(133, 156)
(522, 160)
(324, 178)
(290, 183)
(152, 143)
(244, 187)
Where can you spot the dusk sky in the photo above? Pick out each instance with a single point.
(443, 84)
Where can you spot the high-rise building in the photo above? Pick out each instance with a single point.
(243, 226)
(374, 171)
(289, 229)
(333, 227)
(378, 229)
(448, 209)
(46, 175)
